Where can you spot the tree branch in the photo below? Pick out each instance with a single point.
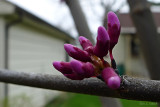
(131, 88)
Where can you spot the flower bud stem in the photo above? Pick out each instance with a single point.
(114, 66)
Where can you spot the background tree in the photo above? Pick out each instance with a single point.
(147, 33)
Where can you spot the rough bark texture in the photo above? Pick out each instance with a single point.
(131, 88)
(147, 32)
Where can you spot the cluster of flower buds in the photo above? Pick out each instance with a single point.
(89, 61)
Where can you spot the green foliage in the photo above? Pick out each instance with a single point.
(81, 100)
(132, 103)
(75, 100)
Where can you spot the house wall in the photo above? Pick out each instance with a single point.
(134, 65)
(32, 50)
(33, 46)
(119, 51)
(6, 8)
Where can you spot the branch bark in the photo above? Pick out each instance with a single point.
(131, 88)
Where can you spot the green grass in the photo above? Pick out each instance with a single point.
(81, 100)
(75, 100)
(132, 103)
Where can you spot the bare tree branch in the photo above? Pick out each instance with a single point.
(131, 88)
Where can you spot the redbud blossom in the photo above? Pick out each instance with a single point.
(77, 53)
(85, 43)
(84, 70)
(89, 61)
(102, 45)
(89, 69)
(66, 70)
(113, 29)
(111, 78)
(63, 67)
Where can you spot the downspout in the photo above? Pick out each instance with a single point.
(66, 55)
(6, 50)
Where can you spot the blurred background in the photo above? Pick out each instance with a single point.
(32, 34)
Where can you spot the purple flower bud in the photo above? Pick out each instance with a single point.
(111, 78)
(89, 69)
(63, 67)
(77, 53)
(77, 67)
(113, 29)
(66, 70)
(84, 70)
(89, 49)
(103, 41)
(85, 43)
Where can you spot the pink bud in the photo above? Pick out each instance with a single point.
(85, 43)
(89, 69)
(85, 70)
(89, 49)
(103, 41)
(111, 78)
(113, 29)
(77, 53)
(77, 67)
(66, 70)
(63, 67)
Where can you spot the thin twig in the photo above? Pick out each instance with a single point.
(131, 88)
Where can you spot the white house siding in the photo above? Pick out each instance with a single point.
(32, 50)
(119, 51)
(135, 66)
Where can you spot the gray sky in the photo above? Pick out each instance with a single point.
(57, 13)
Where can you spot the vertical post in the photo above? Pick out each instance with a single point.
(6, 49)
(2, 55)
(66, 55)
